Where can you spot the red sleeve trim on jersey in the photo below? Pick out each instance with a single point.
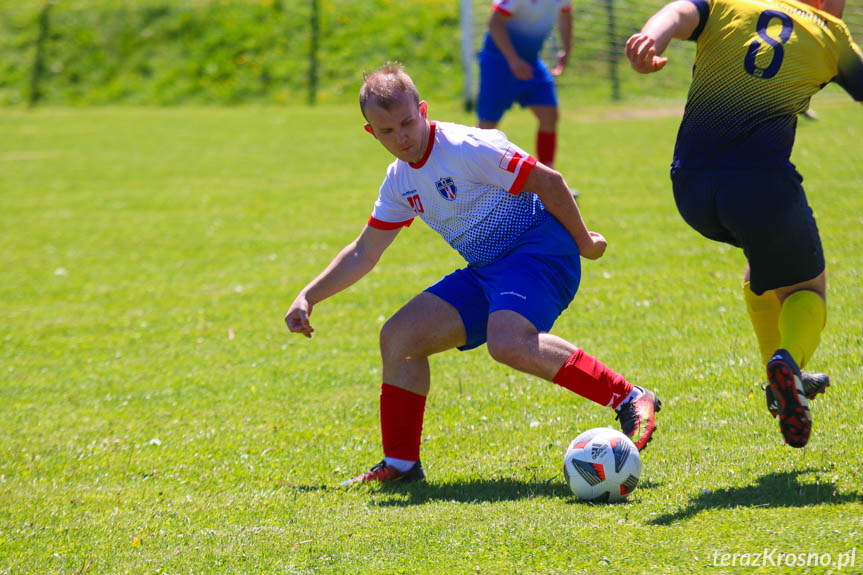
(503, 11)
(429, 147)
(526, 166)
(382, 225)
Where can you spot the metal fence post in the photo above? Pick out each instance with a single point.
(467, 54)
(313, 52)
(38, 68)
(612, 49)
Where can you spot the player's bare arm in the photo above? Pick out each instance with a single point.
(551, 188)
(644, 50)
(564, 27)
(850, 75)
(354, 261)
(497, 28)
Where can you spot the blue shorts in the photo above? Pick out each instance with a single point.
(536, 286)
(499, 89)
(765, 212)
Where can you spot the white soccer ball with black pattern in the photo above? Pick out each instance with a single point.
(602, 465)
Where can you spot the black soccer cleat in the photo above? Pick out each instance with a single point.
(795, 421)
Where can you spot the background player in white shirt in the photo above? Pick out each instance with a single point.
(511, 70)
(519, 229)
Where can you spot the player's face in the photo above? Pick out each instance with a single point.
(402, 129)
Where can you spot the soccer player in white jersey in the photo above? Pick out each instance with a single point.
(511, 69)
(521, 233)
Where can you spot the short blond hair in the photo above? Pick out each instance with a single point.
(386, 85)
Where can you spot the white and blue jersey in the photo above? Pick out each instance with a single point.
(467, 188)
(530, 23)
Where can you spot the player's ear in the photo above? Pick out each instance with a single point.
(368, 128)
(424, 109)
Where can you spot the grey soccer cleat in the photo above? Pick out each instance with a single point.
(814, 384)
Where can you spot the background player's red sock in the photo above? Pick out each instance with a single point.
(546, 142)
(590, 378)
(401, 422)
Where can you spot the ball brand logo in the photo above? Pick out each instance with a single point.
(596, 451)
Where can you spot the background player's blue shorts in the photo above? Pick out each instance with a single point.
(762, 211)
(536, 286)
(498, 88)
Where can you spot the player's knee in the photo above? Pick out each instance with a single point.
(389, 337)
(548, 118)
(506, 350)
(395, 340)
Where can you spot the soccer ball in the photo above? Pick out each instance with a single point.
(602, 465)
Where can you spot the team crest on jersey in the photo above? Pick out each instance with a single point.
(446, 188)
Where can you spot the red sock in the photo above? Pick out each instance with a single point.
(590, 378)
(546, 142)
(401, 422)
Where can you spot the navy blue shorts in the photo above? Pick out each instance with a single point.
(536, 286)
(762, 211)
(499, 89)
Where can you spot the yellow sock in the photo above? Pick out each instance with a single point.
(801, 320)
(764, 313)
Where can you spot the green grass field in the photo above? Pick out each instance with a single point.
(157, 417)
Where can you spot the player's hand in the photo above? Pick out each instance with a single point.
(297, 318)
(641, 52)
(595, 249)
(560, 65)
(521, 69)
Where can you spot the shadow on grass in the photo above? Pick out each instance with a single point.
(772, 490)
(467, 491)
(476, 491)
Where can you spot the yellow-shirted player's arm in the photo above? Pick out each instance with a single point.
(850, 74)
(681, 19)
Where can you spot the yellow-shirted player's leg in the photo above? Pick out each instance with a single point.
(764, 313)
(801, 319)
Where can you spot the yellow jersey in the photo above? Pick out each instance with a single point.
(757, 64)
